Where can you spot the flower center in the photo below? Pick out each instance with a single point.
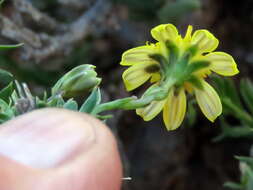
(180, 68)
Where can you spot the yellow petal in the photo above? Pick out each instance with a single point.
(174, 109)
(135, 76)
(138, 55)
(188, 87)
(155, 77)
(222, 63)
(150, 111)
(164, 32)
(205, 41)
(208, 101)
(188, 34)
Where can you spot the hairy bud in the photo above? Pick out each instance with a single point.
(78, 81)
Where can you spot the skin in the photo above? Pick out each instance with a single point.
(53, 149)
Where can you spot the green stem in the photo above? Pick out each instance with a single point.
(124, 103)
(130, 103)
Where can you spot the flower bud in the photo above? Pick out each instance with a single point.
(78, 81)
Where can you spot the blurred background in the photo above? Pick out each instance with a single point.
(61, 34)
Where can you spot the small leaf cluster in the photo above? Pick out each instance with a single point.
(238, 107)
(246, 181)
(237, 104)
(16, 98)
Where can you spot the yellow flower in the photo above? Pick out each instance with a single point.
(185, 61)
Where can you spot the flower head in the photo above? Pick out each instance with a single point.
(177, 64)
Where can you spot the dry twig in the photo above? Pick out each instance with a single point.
(41, 46)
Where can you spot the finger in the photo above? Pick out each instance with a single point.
(52, 148)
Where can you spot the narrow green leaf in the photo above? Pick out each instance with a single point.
(5, 76)
(3, 105)
(71, 105)
(246, 89)
(249, 173)
(60, 102)
(40, 103)
(233, 132)
(232, 92)
(173, 51)
(6, 112)
(248, 160)
(192, 50)
(4, 117)
(90, 103)
(14, 96)
(238, 112)
(6, 92)
(197, 65)
(160, 59)
(219, 85)
(104, 117)
(233, 185)
(10, 46)
(238, 132)
(195, 81)
(56, 101)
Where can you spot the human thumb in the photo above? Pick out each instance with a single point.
(53, 149)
